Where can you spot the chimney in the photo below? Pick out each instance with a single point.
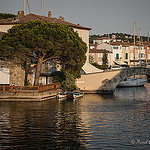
(20, 14)
(61, 18)
(49, 14)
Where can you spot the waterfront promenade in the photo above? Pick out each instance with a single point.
(107, 81)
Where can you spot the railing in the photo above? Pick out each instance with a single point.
(29, 89)
(48, 87)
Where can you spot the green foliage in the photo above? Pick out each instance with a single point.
(103, 67)
(105, 58)
(69, 83)
(6, 16)
(46, 41)
(121, 36)
(67, 80)
(58, 76)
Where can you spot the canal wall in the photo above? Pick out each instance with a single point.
(51, 94)
(110, 85)
(91, 83)
(106, 82)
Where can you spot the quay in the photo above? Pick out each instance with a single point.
(29, 93)
(107, 81)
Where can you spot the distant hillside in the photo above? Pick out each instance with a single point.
(6, 16)
(119, 37)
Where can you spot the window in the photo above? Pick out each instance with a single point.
(117, 56)
(126, 56)
(53, 69)
(115, 47)
(132, 56)
(131, 47)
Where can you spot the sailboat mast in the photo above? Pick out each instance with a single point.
(134, 43)
(24, 7)
(139, 46)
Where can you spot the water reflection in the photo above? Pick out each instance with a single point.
(41, 125)
(92, 122)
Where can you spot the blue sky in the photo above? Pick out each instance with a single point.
(103, 16)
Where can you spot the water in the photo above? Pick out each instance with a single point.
(120, 121)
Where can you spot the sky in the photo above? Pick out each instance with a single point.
(103, 16)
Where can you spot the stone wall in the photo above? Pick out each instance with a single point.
(17, 74)
(110, 85)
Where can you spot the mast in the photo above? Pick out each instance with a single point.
(134, 43)
(24, 7)
(139, 46)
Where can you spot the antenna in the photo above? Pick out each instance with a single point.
(28, 6)
(46, 5)
(25, 7)
(42, 7)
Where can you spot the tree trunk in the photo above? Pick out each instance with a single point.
(38, 71)
(26, 77)
(26, 73)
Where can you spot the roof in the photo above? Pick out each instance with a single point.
(31, 16)
(99, 51)
(103, 38)
(92, 44)
(146, 43)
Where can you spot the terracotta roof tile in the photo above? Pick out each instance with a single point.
(99, 51)
(31, 16)
(103, 38)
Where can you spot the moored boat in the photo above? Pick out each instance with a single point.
(61, 95)
(69, 95)
(77, 95)
(132, 82)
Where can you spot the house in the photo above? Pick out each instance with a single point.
(102, 40)
(96, 55)
(138, 55)
(126, 52)
(117, 52)
(147, 51)
(6, 24)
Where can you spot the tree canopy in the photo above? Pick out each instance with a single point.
(46, 41)
(105, 58)
(6, 16)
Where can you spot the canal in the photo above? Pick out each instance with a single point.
(120, 121)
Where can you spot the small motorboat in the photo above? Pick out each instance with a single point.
(62, 95)
(77, 95)
(132, 82)
(69, 95)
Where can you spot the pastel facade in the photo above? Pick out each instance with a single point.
(123, 52)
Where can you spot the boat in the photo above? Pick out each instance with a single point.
(61, 95)
(77, 95)
(132, 82)
(69, 95)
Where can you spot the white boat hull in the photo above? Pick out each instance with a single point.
(132, 82)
